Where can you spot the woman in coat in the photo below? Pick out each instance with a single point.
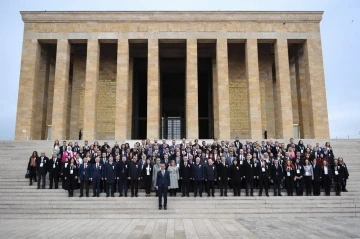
(317, 178)
(235, 176)
(289, 174)
(308, 177)
(66, 154)
(146, 175)
(70, 176)
(345, 173)
(32, 167)
(326, 175)
(174, 178)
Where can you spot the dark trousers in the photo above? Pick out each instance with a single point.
(84, 183)
(162, 191)
(344, 184)
(41, 177)
(53, 178)
(110, 187)
(223, 186)
(337, 187)
(316, 188)
(185, 187)
(236, 186)
(103, 185)
(308, 184)
(327, 183)
(197, 187)
(96, 186)
(134, 186)
(277, 188)
(210, 185)
(32, 176)
(263, 183)
(123, 186)
(289, 185)
(147, 184)
(249, 183)
(299, 187)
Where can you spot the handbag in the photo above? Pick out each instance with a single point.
(27, 174)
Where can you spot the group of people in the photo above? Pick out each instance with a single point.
(191, 167)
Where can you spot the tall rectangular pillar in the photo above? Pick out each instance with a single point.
(318, 113)
(192, 108)
(253, 80)
(61, 87)
(283, 103)
(122, 88)
(91, 85)
(153, 94)
(30, 61)
(222, 75)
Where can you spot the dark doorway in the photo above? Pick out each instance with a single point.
(172, 98)
(138, 58)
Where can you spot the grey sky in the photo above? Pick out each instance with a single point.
(340, 31)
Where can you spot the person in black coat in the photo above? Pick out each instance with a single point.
(345, 173)
(54, 166)
(235, 177)
(70, 175)
(42, 168)
(326, 175)
(122, 176)
(109, 174)
(32, 167)
(84, 176)
(264, 175)
(249, 175)
(289, 174)
(277, 176)
(210, 177)
(299, 178)
(317, 178)
(185, 176)
(146, 175)
(197, 176)
(134, 176)
(223, 176)
(95, 176)
(163, 185)
(338, 176)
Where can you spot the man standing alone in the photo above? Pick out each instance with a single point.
(162, 185)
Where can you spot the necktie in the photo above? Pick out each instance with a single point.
(97, 165)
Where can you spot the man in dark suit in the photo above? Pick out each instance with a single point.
(122, 176)
(185, 176)
(210, 177)
(63, 148)
(223, 174)
(198, 177)
(96, 174)
(134, 176)
(103, 162)
(110, 177)
(277, 176)
(54, 169)
(42, 168)
(84, 176)
(249, 175)
(162, 185)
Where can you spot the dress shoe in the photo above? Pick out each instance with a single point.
(279, 194)
(160, 207)
(165, 208)
(87, 195)
(80, 196)
(93, 196)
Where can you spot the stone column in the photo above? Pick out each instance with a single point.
(252, 75)
(318, 114)
(153, 94)
(192, 113)
(91, 85)
(30, 61)
(122, 88)
(222, 75)
(61, 86)
(283, 104)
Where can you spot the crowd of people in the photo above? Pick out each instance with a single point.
(191, 167)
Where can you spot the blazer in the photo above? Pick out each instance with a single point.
(185, 172)
(44, 166)
(198, 172)
(163, 181)
(109, 172)
(96, 173)
(210, 172)
(84, 174)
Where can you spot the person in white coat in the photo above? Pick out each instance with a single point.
(173, 170)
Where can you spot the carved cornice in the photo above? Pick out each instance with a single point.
(168, 16)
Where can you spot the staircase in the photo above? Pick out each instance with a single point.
(18, 200)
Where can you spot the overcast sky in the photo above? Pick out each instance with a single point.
(340, 31)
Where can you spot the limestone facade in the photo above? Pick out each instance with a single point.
(77, 72)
